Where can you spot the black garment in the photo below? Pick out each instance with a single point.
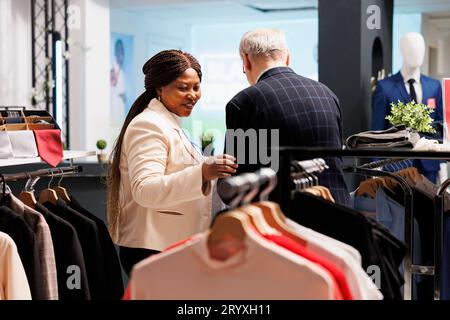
(412, 91)
(113, 271)
(306, 113)
(14, 225)
(375, 244)
(68, 252)
(88, 235)
(130, 256)
(423, 212)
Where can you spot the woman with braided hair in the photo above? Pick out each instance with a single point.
(160, 186)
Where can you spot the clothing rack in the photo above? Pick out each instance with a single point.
(241, 189)
(34, 176)
(53, 172)
(289, 154)
(409, 230)
(438, 236)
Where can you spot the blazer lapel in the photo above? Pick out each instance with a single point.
(400, 85)
(157, 106)
(188, 145)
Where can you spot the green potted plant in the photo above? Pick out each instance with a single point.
(413, 115)
(207, 139)
(101, 145)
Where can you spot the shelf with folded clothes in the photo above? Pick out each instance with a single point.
(67, 155)
(26, 120)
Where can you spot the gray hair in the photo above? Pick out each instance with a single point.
(268, 43)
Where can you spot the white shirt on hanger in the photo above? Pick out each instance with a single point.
(345, 257)
(262, 270)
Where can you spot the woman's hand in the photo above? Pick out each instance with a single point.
(220, 166)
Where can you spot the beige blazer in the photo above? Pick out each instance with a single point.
(161, 199)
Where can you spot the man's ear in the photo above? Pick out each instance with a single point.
(288, 58)
(247, 62)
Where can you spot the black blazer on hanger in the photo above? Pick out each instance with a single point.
(14, 225)
(375, 244)
(68, 252)
(113, 270)
(93, 255)
(306, 113)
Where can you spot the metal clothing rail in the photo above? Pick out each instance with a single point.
(438, 236)
(54, 172)
(241, 189)
(288, 154)
(393, 153)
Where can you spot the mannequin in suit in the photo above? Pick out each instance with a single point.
(406, 85)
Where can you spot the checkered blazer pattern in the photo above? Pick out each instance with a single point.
(305, 111)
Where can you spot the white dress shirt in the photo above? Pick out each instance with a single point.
(417, 84)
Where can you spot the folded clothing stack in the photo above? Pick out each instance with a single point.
(32, 143)
(394, 137)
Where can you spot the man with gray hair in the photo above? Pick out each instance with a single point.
(306, 112)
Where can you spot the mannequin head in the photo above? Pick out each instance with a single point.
(412, 46)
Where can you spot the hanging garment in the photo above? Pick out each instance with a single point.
(336, 273)
(391, 214)
(344, 257)
(37, 223)
(260, 270)
(377, 247)
(68, 257)
(113, 271)
(13, 280)
(14, 225)
(88, 235)
(423, 211)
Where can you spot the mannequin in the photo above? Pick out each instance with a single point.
(412, 47)
(406, 85)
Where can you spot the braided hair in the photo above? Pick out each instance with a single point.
(163, 68)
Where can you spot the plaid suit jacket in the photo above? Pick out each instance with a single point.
(306, 113)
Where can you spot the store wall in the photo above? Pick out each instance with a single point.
(89, 75)
(222, 66)
(403, 23)
(437, 43)
(149, 35)
(15, 52)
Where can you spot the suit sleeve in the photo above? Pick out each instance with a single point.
(234, 120)
(147, 151)
(379, 109)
